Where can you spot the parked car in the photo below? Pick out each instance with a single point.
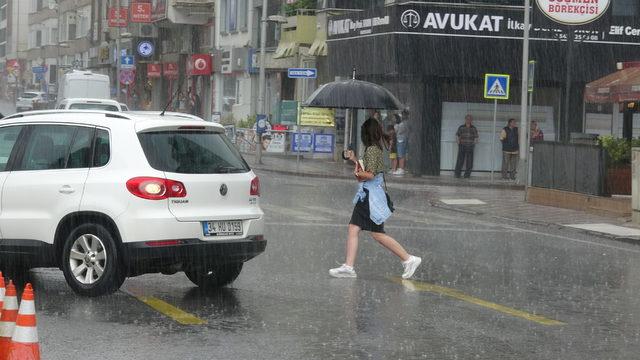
(106, 195)
(29, 100)
(90, 104)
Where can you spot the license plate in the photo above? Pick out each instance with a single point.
(222, 228)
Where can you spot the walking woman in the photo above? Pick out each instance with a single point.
(371, 209)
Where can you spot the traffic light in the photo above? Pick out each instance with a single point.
(632, 106)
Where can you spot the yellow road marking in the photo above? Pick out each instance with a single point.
(180, 316)
(456, 294)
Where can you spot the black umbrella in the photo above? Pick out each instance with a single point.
(353, 94)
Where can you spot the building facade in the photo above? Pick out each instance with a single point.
(13, 44)
(434, 56)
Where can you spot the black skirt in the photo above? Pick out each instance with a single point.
(361, 216)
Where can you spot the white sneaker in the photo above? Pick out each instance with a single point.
(399, 172)
(410, 266)
(344, 271)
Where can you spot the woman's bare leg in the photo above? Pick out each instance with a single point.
(352, 244)
(391, 244)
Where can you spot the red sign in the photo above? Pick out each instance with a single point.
(630, 64)
(154, 70)
(140, 12)
(127, 76)
(170, 70)
(118, 17)
(200, 64)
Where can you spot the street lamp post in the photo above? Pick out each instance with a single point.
(263, 76)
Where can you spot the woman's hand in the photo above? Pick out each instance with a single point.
(363, 175)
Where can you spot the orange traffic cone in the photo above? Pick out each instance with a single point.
(24, 343)
(2, 291)
(8, 319)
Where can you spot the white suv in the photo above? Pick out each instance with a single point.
(106, 195)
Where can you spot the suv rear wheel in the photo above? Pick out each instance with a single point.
(214, 276)
(90, 261)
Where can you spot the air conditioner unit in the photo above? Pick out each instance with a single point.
(226, 67)
(240, 57)
(143, 30)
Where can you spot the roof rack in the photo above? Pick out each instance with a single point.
(109, 114)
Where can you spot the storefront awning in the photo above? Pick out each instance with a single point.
(286, 49)
(318, 48)
(620, 86)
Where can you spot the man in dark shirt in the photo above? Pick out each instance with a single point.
(467, 138)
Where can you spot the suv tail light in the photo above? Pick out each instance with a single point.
(152, 188)
(255, 187)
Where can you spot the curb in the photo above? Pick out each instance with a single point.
(397, 180)
(624, 239)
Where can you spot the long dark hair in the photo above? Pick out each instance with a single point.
(373, 134)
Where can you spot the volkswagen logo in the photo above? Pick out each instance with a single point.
(410, 19)
(223, 189)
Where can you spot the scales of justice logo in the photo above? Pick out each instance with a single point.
(410, 19)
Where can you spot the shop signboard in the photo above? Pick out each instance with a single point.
(288, 112)
(573, 12)
(277, 142)
(301, 142)
(118, 17)
(170, 70)
(140, 12)
(154, 70)
(323, 143)
(199, 64)
(322, 117)
(594, 22)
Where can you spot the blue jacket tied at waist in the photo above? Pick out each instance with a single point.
(379, 210)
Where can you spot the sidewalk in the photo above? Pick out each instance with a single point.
(330, 169)
(477, 196)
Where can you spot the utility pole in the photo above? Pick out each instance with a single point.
(263, 78)
(118, 55)
(524, 141)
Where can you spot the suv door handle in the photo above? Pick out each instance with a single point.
(66, 190)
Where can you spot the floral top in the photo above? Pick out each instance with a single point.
(373, 160)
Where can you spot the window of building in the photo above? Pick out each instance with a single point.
(83, 21)
(234, 15)
(38, 38)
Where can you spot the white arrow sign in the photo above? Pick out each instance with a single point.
(305, 73)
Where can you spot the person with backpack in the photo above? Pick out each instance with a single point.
(510, 150)
(371, 204)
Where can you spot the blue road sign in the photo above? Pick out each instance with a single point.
(302, 73)
(496, 86)
(39, 69)
(261, 123)
(127, 61)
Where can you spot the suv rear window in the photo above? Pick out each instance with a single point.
(84, 106)
(191, 152)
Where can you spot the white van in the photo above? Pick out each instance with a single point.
(84, 84)
(91, 104)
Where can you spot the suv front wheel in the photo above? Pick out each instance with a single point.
(215, 275)
(90, 261)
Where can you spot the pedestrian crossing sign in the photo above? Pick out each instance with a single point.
(496, 86)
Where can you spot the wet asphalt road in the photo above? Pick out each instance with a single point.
(490, 290)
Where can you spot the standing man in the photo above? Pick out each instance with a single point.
(402, 137)
(467, 138)
(510, 148)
